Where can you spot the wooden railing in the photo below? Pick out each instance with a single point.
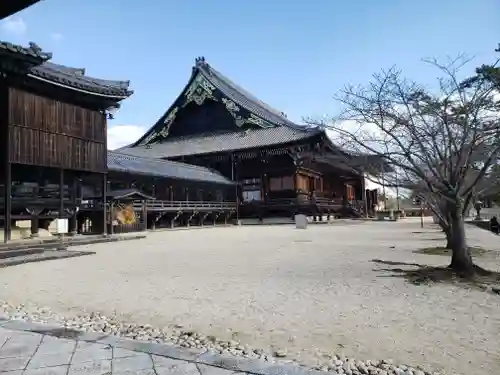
(320, 202)
(159, 205)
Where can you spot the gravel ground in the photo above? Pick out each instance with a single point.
(304, 294)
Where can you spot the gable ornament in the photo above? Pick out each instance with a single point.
(199, 91)
(233, 109)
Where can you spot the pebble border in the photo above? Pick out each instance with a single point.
(227, 362)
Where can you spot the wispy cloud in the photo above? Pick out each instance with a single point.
(122, 135)
(56, 37)
(14, 25)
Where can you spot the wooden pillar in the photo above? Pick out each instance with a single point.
(111, 217)
(7, 199)
(61, 194)
(5, 145)
(72, 224)
(104, 204)
(363, 193)
(145, 215)
(153, 223)
(35, 224)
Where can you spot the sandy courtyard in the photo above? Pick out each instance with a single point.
(306, 291)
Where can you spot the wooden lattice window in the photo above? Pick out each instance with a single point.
(281, 183)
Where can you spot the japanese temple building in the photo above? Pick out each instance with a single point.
(55, 162)
(218, 153)
(280, 167)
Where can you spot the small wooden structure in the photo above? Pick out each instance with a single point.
(125, 212)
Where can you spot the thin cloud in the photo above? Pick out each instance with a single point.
(123, 135)
(14, 25)
(56, 37)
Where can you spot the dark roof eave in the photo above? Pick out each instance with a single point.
(146, 174)
(148, 151)
(136, 165)
(10, 7)
(86, 90)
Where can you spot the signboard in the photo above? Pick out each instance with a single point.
(61, 226)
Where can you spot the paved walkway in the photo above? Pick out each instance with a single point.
(32, 349)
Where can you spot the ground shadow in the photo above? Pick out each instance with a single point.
(475, 251)
(423, 274)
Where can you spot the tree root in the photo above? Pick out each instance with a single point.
(480, 278)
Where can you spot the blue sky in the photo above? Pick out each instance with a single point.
(294, 55)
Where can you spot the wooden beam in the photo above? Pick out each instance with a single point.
(104, 205)
(7, 198)
(5, 123)
(61, 193)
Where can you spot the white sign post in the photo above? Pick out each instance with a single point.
(62, 229)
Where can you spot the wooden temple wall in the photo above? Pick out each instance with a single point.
(50, 133)
(168, 189)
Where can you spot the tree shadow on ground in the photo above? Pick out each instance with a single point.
(422, 274)
(475, 251)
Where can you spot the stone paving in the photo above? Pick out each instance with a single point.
(32, 349)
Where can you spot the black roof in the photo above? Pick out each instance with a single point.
(209, 143)
(32, 53)
(128, 193)
(131, 194)
(9, 7)
(225, 89)
(120, 162)
(73, 78)
(240, 96)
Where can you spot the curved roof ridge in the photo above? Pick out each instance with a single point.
(243, 97)
(75, 77)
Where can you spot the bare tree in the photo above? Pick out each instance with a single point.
(445, 142)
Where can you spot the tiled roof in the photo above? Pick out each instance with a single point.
(73, 78)
(120, 162)
(230, 90)
(76, 78)
(241, 96)
(32, 52)
(240, 140)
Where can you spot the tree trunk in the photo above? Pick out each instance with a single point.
(449, 241)
(461, 260)
(447, 231)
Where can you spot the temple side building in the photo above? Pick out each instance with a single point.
(280, 167)
(55, 163)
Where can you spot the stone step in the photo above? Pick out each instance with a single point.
(4, 254)
(50, 243)
(43, 256)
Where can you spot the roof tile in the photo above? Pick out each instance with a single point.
(204, 144)
(120, 162)
(241, 96)
(75, 77)
(33, 51)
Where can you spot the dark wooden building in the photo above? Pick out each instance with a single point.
(55, 162)
(53, 134)
(281, 167)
